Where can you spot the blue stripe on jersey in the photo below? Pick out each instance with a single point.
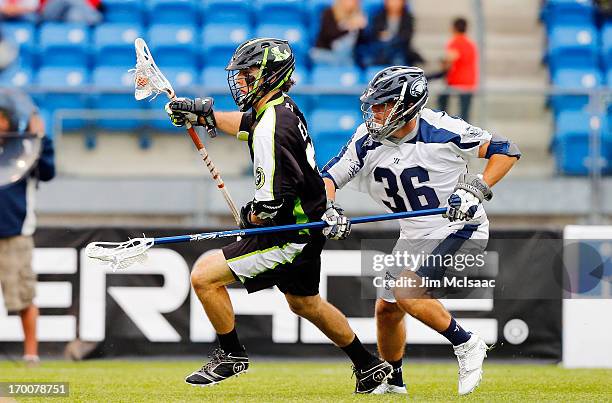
(449, 246)
(363, 145)
(428, 133)
(334, 160)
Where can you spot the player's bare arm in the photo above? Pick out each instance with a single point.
(227, 122)
(497, 167)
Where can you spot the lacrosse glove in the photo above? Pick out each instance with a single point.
(469, 193)
(339, 226)
(182, 110)
(245, 216)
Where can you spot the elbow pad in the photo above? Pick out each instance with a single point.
(502, 145)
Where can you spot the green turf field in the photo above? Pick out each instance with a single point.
(157, 381)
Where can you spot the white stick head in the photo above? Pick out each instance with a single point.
(148, 79)
(120, 255)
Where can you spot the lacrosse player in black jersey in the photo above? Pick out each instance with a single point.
(288, 190)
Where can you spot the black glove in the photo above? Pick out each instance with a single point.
(245, 216)
(182, 110)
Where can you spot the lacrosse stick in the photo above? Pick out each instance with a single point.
(121, 255)
(148, 81)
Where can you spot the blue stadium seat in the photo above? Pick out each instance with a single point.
(124, 11)
(57, 80)
(330, 130)
(606, 45)
(16, 76)
(109, 81)
(114, 44)
(371, 71)
(333, 78)
(64, 45)
(568, 12)
(372, 7)
(214, 79)
(574, 79)
(183, 80)
(571, 144)
(301, 76)
(220, 41)
(178, 12)
(295, 34)
(575, 46)
(227, 12)
(174, 45)
(290, 12)
(21, 34)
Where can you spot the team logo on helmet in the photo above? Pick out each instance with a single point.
(278, 55)
(417, 88)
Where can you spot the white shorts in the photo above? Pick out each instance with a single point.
(449, 241)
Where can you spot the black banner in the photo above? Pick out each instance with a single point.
(150, 309)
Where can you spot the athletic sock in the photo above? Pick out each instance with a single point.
(229, 342)
(397, 378)
(455, 333)
(358, 353)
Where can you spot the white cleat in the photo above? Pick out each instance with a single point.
(470, 355)
(386, 388)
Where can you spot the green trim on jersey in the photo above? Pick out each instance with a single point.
(300, 215)
(260, 252)
(268, 104)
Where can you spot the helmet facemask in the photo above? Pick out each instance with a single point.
(245, 86)
(394, 113)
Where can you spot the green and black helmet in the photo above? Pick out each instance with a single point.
(276, 64)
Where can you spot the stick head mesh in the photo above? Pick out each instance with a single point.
(120, 255)
(148, 79)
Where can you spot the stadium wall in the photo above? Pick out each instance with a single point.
(151, 310)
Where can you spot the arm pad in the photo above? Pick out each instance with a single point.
(502, 145)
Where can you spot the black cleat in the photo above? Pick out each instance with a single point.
(370, 377)
(220, 367)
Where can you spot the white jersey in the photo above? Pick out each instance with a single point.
(420, 173)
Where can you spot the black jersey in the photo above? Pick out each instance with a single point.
(284, 164)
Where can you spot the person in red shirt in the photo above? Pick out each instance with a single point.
(461, 64)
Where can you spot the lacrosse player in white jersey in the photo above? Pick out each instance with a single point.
(408, 157)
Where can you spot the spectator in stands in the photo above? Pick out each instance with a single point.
(604, 11)
(390, 38)
(12, 10)
(19, 114)
(461, 64)
(341, 29)
(71, 11)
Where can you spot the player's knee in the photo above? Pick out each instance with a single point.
(303, 306)
(410, 305)
(387, 312)
(199, 278)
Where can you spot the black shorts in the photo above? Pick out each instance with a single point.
(291, 264)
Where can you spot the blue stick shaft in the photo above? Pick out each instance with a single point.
(294, 227)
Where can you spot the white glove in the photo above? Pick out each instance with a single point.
(339, 226)
(469, 193)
